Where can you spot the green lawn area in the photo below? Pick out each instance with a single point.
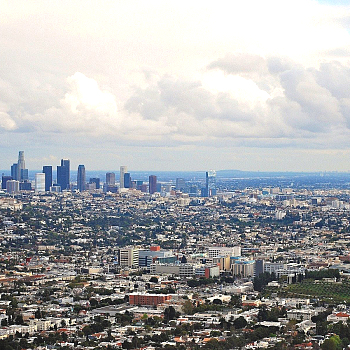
(327, 291)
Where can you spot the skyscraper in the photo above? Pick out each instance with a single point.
(18, 170)
(21, 165)
(39, 182)
(110, 178)
(96, 181)
(14, 172)
(210, 183)
(81, 179)
(180, 184)
(123, 170)
(127, 180)
(152, 184)
(12, 186)
(63, 174)
(47, 170)
(4, 180)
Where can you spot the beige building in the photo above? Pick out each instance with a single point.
(129, 257)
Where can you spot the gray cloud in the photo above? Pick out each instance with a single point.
(240, 63)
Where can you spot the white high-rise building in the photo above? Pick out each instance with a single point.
(123, 170)
(39, 182)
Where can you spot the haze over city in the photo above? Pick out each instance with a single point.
(180, 85)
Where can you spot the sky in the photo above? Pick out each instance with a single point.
(176, 85)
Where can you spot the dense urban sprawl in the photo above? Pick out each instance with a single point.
(253, 267)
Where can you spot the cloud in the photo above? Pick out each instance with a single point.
(84, 108)
(6, 122)
(85, 94)
(240, 63)
(225, 75)
(220, 106)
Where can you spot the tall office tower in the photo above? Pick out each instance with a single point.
(110, 178)
(24, 175)
(14, 172)
(96, 181)
(81, 179)
(39, 182)
(123, 170)
(47, 170)
(152, 184)
(63, 174)
(12, 186)
(180, 184)
(21, 167)
(127, 180)
(18, 170)
(210, 183)
(4, 180)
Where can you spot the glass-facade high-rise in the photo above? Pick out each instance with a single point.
(180, 184)
(14, 172)
(110, 178)
(152, 184)
(4, 180)
(127, 180)
(22, 174)
(18, 170)
(47, 170)
(96, 181)
(63, 174)
(81, 179)
(123, 170)
(39, 182)
(210, 183)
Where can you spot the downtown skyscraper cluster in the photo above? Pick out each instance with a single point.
(44, 181)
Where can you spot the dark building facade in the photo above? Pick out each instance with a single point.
(14, 172)
(110, 178)
(63, 174)
(180, 184)
(4, 180)
(96, 181)
(81, 179)
(152, 184)
(47, 170)
(127, 180)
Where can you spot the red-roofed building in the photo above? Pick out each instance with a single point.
(148, 299)
(338, 317)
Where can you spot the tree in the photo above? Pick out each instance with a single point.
(169, 313)
(23, 343)
(153, 279)
(19, 319)
(333, 343)
(240, 322)
(38, 313)
(187, 307)
(87, 330)
(14, 303)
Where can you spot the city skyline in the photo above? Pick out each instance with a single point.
(43, 181)
(254, 86)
